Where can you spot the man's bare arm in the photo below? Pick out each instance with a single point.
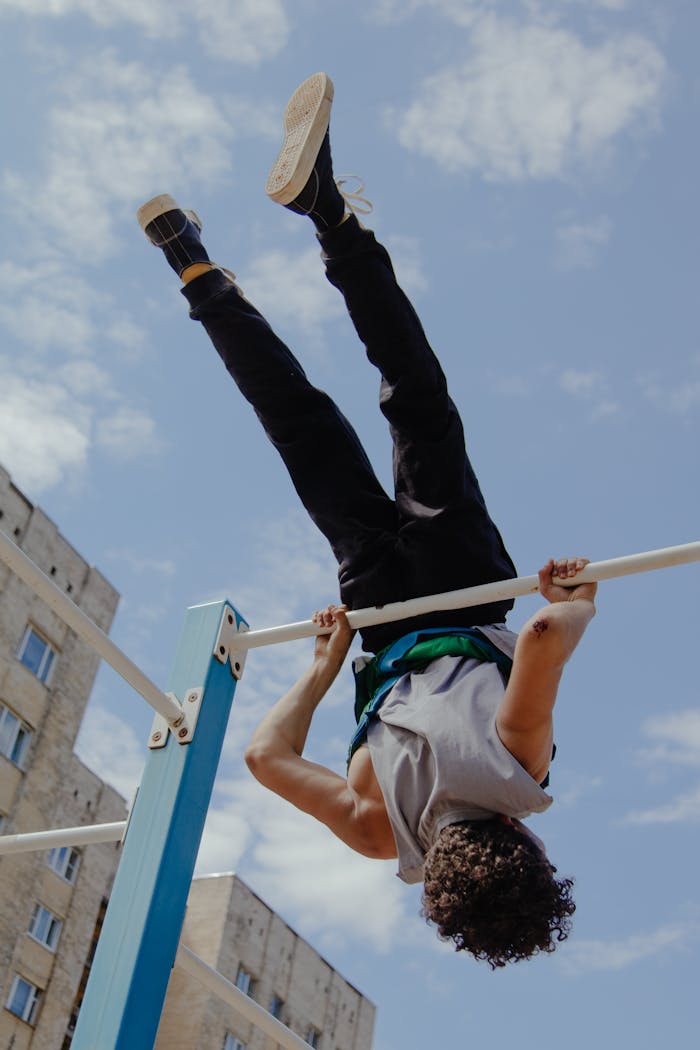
(274, 754)
(524, 719)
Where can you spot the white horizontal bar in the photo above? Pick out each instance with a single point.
(481, 595)
(81, 836)
(242, 1003)
(83, 626)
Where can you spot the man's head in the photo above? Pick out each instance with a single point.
(490, 888)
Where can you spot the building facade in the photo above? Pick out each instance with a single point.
(232, 929)
(51, 902)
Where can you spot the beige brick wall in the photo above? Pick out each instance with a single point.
(26, 879)
(97, 868)
(229, 926)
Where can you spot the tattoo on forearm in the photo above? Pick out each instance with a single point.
(539, 627)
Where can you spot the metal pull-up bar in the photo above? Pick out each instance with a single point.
(75, 618)
(469, 596)
(217, 984)
(80, 836)
(483, 594)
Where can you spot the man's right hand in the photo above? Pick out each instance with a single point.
(565, 569)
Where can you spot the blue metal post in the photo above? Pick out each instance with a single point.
(129, 977)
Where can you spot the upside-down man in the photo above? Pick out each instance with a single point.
(454, 712)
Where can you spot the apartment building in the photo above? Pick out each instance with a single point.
(51, 902)
(234, 931)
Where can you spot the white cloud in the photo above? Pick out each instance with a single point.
(295, 573)
(462, 12)
(579, 383)
(245, 31)
(605, 408)
(679, 400)
(257, 118)
(127, 434)
(465, 12)
(285, 847)
(683, 809)
(83, 377)
(512, 385)
(578, 243)
(118, 134)
(149, 16)
(578, 957)
(139, 564)
(676, 738)
(406, 259)
(44, 433)
(125, 333)
(92, 150)
(591, 388)
(46, 306)
(532, 101)
(610, 5)
(112, 749)
(675, 741)
(227, 834)
(47, 424)
(571, 786)
(291, 288)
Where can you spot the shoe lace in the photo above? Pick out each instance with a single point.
(354, 200)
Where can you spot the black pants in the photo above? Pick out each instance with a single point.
(436, 534)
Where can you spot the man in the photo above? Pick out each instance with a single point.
(454, 713)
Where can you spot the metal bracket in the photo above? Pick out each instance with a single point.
(226, 646)
(183, 733)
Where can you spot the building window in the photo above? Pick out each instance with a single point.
(45, 927)
(36, 654)
(245, 981)
(64, 861)
(3, 820)
(313, 1037)
(23, 1000)
(231, 1043)
(14, 736)
(276, 1006)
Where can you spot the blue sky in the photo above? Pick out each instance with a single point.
(534, 170)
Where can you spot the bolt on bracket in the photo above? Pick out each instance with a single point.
(183, 731)
(227, 645)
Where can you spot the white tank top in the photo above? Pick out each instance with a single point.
(437, 755)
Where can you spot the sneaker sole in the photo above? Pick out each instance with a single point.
(158, 206)
(306, 121)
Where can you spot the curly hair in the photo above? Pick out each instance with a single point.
(491, 890)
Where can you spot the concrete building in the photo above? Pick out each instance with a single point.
(233, 930)
(52, 902)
